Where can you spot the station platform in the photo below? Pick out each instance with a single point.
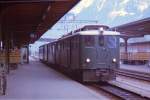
(139, 68)
(36, 81)
(137, 86)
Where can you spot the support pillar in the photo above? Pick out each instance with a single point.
(27, 53)
(1, 47)
(126, 45)
(7, 49)
(126, 50)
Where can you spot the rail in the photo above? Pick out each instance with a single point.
(120, 93)
(133, 74)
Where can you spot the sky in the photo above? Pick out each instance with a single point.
(106, 12)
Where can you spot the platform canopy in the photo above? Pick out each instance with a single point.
(134, 29)
(24, 21)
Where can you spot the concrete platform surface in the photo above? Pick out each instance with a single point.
(138, 86)
(140, 68)
(35, 81)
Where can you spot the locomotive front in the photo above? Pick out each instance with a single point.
(99, 54)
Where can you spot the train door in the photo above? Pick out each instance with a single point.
(65, 53)
(41, 53)
(68, 52)
(101, 52)
(54, 53)
(45, 53)
(75, 52)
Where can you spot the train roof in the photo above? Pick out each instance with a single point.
(97, 32)
(87, 27)
(91, 27)
(44, 44)
(89, 30)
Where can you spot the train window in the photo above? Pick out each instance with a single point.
(76, 42)
(73, 43)
(89, 40)
(62, 45)
(111, 41)
(101, 40)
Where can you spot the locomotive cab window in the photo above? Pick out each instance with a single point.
(111, 41)
(89, 41)
(101, 40)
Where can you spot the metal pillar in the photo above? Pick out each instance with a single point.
(0, 38)
(27, 53)
(7, 48)
(126, 45)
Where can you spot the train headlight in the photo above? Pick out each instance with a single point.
(114, 60)
(88, 60)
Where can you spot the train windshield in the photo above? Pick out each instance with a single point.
(111, 41)
(89, 40)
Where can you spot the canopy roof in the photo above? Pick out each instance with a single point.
(24, 21)
(134, 29)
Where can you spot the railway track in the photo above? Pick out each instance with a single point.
(133, 74)
(119, 92)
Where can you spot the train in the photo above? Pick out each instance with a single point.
(90, 53)
(137, 53)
